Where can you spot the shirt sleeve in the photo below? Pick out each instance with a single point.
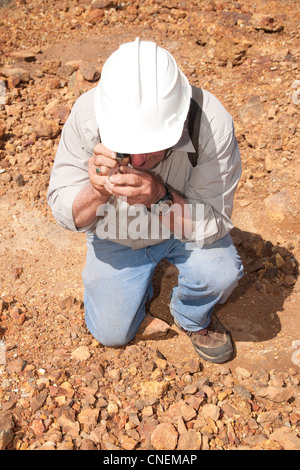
(70, 169)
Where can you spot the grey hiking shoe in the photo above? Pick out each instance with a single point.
(212, 343)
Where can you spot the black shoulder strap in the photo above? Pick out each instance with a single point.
(194, 119)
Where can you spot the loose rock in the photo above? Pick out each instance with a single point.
(18, 72)
(164, 437)
(82, 353)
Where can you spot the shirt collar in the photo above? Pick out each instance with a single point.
(184, 144)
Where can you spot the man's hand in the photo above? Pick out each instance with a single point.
(91, 196)
(99, 165)
(139, 187)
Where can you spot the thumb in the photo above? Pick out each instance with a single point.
(128, 170)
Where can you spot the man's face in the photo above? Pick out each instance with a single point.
(146, 161)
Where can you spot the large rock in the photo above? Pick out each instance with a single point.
(82, 353)
(189, 440)
(60, 112)
(6, 436)
(68, 423)
(27, 56)
(152, 327)
(275, 394)
(51, 66)
(231, 52)
(22, 74)
(95, 15)
(181, 410)
(164, 437)
(103, 4)
(277, 205)
(2, 129)
(267, 23)
(88, 419)
(6, 429)
(210, 411)
(37, 401)
(287, 438)
(76, 82)
(89, 72)
(253, 109)
(47, 129)
(154, 389)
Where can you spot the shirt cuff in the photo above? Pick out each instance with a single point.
(61, 204)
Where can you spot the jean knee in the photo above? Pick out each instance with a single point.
(218, 284)
(109, 338)
(227, 281)
(106, 327)
(108, 335)
(228, 276)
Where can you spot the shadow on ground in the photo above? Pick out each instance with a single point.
(251, 312)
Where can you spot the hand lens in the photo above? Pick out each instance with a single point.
(120, 156)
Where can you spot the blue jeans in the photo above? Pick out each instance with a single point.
(118, 282)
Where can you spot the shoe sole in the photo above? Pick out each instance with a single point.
(216, 360)
(220, 359)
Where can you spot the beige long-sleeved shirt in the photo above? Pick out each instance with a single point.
(209, 187)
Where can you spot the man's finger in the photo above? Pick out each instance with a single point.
(118, 191)
(102, 160)
(99, 149)
(128, 179)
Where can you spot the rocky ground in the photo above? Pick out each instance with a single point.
(61, 389)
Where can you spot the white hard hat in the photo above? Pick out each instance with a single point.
(142, 99)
